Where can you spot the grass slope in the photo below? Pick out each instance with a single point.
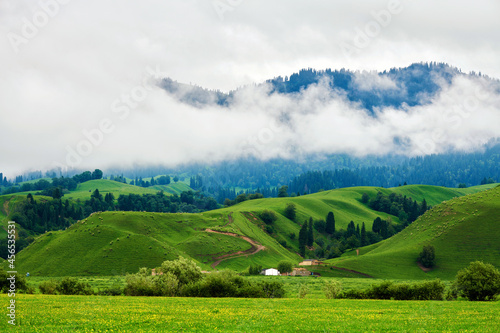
(461, 230)
(173, 188)
(119, 242)
(146, 239)
(84, 190)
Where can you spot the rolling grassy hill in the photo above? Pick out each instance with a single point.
(117, 242)
(461, 230)
(84, 190)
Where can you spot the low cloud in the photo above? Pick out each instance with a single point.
(367, 81)
(80, 84)
(160, 130)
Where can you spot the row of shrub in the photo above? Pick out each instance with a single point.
(72, 286)
(417, 291)
(477, 282)
(183, 277)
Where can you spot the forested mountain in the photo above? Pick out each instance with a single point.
(409, 86)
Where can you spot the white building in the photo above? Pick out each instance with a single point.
(270, 271)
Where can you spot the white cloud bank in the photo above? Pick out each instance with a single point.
(84, 66)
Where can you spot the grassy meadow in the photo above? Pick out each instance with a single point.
(46, 313)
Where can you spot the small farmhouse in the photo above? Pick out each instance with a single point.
(310, 262)
(270, 271)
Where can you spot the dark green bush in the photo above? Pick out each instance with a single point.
(427, 256)
(71, 286)
(425, 290)
(268, 216)
(48, 287)
(254, 269)
(21, 284)
(478, 282)
(272, 289)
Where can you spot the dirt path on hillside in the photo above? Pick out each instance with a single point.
(6, 207)
(256, 247)
(352, 271)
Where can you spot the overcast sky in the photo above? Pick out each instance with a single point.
(68, 66)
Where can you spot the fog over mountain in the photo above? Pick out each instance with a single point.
(83, 84)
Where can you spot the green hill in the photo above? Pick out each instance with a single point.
(461, 230)
(117, 242)
(84, 190)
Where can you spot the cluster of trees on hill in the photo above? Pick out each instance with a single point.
(162, 180)
(187, 202)
(321, 239)
(36, 217)
(406, 209)
(63, 183)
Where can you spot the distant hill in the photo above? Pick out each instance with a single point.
(118, 242)
(461, 230)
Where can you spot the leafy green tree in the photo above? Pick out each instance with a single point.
(290, 211)
(283, 191)
(96, 195)
(57, 193)
(109, 198)
(377, 225)
(427, 256)
(285, 266)
(71, 286)
(330, 223)
(268, 216)
(478, 282)
(176, 179)
(240, 198)
(351, 229)
(97, 174)
(353, 242)
(185, 270)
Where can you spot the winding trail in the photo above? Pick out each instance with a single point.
(256, 247)
(6, 207)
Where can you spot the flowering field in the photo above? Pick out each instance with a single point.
(46, 313)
